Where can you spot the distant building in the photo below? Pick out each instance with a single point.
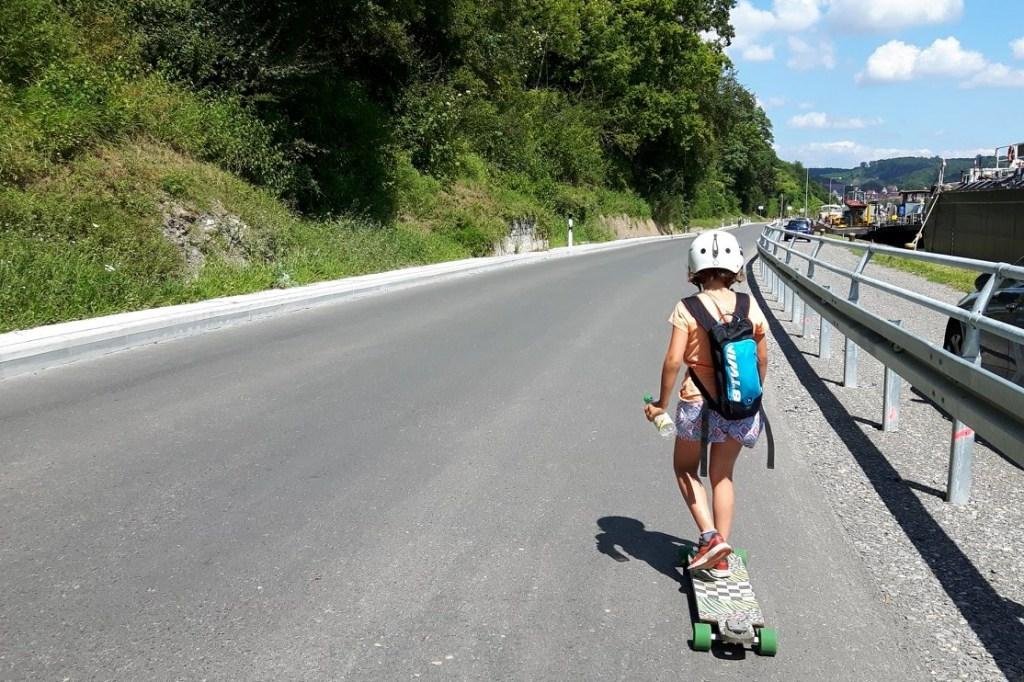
(914, 196)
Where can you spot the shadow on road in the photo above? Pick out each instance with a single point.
(658, 550)
(995, 620)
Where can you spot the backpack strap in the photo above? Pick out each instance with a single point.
(767, 427)
(706, 322)
(742, 309)
(699, 313)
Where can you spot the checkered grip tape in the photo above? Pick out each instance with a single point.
(722, 589)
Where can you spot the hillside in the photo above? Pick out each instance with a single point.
(160, 151)
(906, 172)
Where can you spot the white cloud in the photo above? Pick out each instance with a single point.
(804, 56)
(996, 76)
(820, 121)
(812, 119)
(945, 57)
(750, 22)
(846, 153)
(710, 36)
(804, 106)
(893, 61)
(755, 27)
(771, 102)
(1018, 48)
(898, 61)
(886, 15)
(758, 53)
(966, 153)
(796, 15)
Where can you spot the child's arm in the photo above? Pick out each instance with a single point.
(762, 358)
(670, 368)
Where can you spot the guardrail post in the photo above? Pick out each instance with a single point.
(787, 302)
(849, 347)
(891, 395)
(810, 263)
(798, 313)
(849, 363)
(824, 335)
(961, 447)
(961, 460)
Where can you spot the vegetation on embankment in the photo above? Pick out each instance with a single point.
(162, 151)
(957, 278)
(961, 279)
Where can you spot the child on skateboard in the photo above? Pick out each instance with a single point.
(715, 264)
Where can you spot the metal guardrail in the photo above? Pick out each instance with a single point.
(977, 399)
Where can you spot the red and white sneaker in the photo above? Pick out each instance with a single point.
(721, 569)
(710, 554)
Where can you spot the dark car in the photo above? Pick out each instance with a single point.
(797, 227)
(998, 355)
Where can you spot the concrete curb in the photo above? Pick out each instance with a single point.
(33, 350)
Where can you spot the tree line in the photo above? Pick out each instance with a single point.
(600, 92)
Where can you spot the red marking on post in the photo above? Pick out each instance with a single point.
(891, 415)
(965, 432)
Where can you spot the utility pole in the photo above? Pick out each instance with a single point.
(807, 179)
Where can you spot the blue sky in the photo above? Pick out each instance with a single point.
(846, 81)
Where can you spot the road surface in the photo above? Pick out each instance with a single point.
(449, 481)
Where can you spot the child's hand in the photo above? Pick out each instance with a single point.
(652, 410)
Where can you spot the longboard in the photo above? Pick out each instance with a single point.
(727, 609)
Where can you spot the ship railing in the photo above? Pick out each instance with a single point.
(976, 399)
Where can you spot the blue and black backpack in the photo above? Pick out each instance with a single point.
(734, 355)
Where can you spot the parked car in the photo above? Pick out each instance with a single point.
(998, 355)
(796, 227)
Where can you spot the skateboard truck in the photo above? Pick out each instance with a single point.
(739, 628)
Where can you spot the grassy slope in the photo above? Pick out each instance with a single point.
(87, 238)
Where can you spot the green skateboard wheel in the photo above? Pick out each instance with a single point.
(768, 641)
(702, 637)
(742, 554)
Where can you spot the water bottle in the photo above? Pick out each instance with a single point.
(666, 427)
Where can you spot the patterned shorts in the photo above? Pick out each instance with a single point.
(689, 421)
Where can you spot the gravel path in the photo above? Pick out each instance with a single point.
(953, 573)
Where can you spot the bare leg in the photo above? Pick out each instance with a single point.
(723, 458)
(686, 459)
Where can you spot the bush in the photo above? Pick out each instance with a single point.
(33, 35)
(217, 129)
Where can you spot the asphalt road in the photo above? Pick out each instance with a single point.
(448, 481)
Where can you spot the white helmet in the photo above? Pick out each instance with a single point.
(716, 249)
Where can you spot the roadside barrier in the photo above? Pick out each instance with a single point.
(978, 400)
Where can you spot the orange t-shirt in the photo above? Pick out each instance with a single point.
(697, 354)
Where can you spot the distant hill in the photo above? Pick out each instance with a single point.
(906, 172)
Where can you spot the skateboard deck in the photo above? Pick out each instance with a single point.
(728, 611)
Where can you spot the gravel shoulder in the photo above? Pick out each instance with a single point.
(951, 574)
